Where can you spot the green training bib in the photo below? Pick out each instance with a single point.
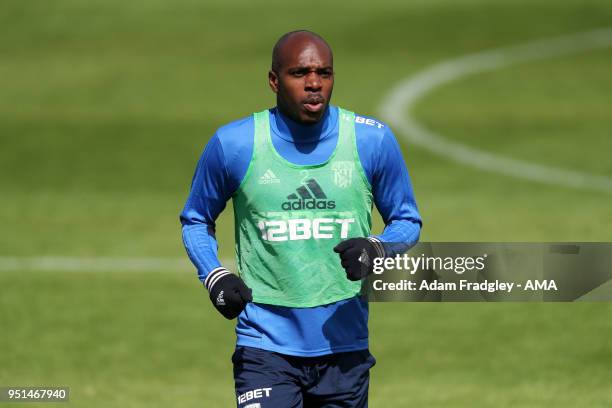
(288, 218)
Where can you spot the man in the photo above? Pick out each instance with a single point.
(303, 177)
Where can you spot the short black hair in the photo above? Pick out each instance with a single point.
(285, 37)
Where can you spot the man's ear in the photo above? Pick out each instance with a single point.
(273, 81)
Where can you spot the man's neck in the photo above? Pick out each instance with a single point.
(294, 131)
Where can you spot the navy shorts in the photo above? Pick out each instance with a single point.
(265, 379)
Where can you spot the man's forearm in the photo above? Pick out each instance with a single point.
(201, 246)
(399, 235)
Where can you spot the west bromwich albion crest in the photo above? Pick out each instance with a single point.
(343, 173)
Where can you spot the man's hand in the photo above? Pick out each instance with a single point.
(228, 292)
(357, 256)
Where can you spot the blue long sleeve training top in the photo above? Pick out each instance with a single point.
(337, 327)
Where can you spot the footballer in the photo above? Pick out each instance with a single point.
(303, 176)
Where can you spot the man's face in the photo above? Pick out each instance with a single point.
(305, 79)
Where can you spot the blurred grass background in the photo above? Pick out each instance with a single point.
(105, 107)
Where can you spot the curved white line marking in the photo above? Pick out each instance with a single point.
(398, 103)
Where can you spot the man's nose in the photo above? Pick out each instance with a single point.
(313, 81)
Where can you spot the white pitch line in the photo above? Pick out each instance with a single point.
(97, 264)
(397, 105)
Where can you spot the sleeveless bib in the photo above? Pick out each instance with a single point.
(288, 218)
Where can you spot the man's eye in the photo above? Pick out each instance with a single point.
(298, 73)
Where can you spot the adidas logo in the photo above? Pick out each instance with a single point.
(309, 196)
(220, 299)
(364, 258)
(269, 178)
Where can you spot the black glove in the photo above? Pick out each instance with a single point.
(228, 292)
(357, 256)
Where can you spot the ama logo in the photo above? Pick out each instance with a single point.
(309, 196)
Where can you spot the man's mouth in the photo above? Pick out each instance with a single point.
(314, 104)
